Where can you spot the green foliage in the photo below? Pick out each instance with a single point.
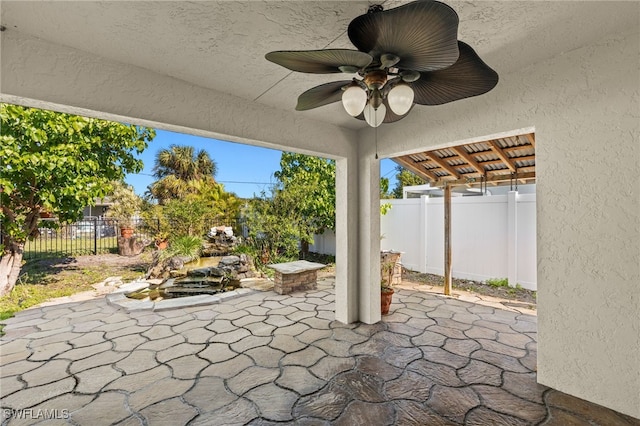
(273, 230)
(384, 187)
(184, 245)
(155, 221)
(189, 198)
(42, 280)
(405, 178)
(302, 204)
(126, 204)
(58, 163)
(187, 215)
(498, 282)
(247, 249)
(311, 181)
(180, 170)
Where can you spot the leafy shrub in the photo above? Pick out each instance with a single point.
(184, 245)
(498, 282)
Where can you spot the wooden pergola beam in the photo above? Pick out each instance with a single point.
(420, 171)
(447, 240)
(442, 163)
(531, 138)
(502, 155)
(490, 179)
(468, 158)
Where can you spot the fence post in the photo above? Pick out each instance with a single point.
(422, 264)
(95, 236)
(512, 238)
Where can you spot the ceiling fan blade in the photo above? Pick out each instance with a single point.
(319, 61)
(468, 77)
(321, 95)
(423, 34)
(390, 116)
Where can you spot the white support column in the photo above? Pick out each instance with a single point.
(422, 234)
(347, 243)
(512, 237)
(369, 237)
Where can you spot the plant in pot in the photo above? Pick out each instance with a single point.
(386, 291)
(126, 204)
(156, 223)
(161, 240)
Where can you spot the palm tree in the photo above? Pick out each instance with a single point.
(180, 171)
(184, 163)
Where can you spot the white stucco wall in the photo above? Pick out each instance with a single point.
(585, 107)
(57, 77)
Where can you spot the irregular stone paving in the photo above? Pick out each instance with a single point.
(266, 358)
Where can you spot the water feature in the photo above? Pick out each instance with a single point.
(207, 275)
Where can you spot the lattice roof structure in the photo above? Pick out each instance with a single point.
(494, 162)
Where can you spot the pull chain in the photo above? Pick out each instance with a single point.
(375, 130)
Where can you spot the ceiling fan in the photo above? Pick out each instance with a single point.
(407, 55)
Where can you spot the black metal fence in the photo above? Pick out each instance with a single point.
(89, 236)
(92, 236)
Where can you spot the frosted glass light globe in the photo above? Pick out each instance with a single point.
(400, 99)
(353, 100)
(374, 117)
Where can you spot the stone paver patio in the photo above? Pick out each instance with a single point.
(265, 358)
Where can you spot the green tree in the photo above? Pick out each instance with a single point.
(309, 184)
(302, 204)
(181, 170)
(271, 236)
(57, 163)
(312, 181)
(190, 200)
(405, 178)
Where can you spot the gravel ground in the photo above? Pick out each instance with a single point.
(509, 293)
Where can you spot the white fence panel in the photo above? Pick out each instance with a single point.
(400, 231)
(324, 243)
(527, 248)
(478, 237)
(491, 237)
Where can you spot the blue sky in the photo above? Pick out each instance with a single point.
(243, 169)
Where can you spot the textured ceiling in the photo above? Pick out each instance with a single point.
(221, 45)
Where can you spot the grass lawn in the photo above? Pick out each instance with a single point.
(57, 246)
(49, 278)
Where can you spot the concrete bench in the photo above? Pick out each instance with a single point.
(295, 276)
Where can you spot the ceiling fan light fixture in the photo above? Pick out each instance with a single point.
(354, 99)
(400, 99)
(374, 116)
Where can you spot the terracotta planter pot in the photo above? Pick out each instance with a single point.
(385, 300)
(162, 245)
(126, 232)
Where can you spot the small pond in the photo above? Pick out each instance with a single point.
(204, 276)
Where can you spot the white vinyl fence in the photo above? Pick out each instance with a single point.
(491, 236)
